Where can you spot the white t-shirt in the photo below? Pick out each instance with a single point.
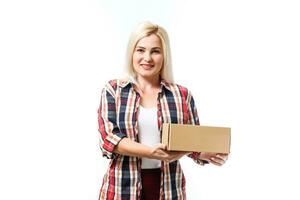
(148, 134)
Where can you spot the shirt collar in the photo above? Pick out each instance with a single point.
(131, 80)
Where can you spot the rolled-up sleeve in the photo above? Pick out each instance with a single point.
(110, 134)
(194, 119)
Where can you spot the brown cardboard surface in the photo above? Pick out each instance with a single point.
(182, 137)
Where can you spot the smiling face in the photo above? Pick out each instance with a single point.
(148, 57)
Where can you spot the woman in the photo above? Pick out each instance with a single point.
(130, 118)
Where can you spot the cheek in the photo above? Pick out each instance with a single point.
(136, 58)
(159, 60)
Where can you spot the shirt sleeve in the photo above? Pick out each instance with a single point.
(194, 119)
(110, 135)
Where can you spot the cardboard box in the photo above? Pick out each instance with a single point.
(181, 137)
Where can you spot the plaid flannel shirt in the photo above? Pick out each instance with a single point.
(117, 118)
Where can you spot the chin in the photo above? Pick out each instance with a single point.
(148, 75)
(146, 72)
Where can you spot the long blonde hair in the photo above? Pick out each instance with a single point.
(145, 29)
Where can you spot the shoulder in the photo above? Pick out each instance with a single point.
(112, 85)
(184, 91)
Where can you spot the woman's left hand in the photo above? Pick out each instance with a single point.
(218, 159)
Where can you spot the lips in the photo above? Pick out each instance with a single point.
(147, 66)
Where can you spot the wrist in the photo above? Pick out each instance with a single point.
(147, 152)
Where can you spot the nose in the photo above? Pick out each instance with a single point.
(147, 57)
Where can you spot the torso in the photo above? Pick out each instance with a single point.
(174, 105)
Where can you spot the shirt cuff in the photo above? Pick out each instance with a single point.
(111, 141)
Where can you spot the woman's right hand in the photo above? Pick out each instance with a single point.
(160, 152)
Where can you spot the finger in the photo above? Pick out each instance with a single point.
(217, 160)
(182, 153)
(175, 157)
(220, 160)
(162, 146)
(223, 157)
(215, 163)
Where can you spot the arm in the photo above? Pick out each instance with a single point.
(110, 135)
(131, 148)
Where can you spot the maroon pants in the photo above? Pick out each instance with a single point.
(150, 184)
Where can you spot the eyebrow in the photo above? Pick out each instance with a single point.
(145, 48)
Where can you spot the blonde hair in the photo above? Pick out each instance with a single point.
(145, 29)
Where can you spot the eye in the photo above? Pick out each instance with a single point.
(140, 50)
(156, 51)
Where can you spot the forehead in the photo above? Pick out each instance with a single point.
(149, 41)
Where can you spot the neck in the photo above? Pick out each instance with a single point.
(150, 83)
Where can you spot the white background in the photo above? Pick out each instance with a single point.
(239, 59)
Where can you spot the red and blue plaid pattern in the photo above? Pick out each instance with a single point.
(117, 117)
